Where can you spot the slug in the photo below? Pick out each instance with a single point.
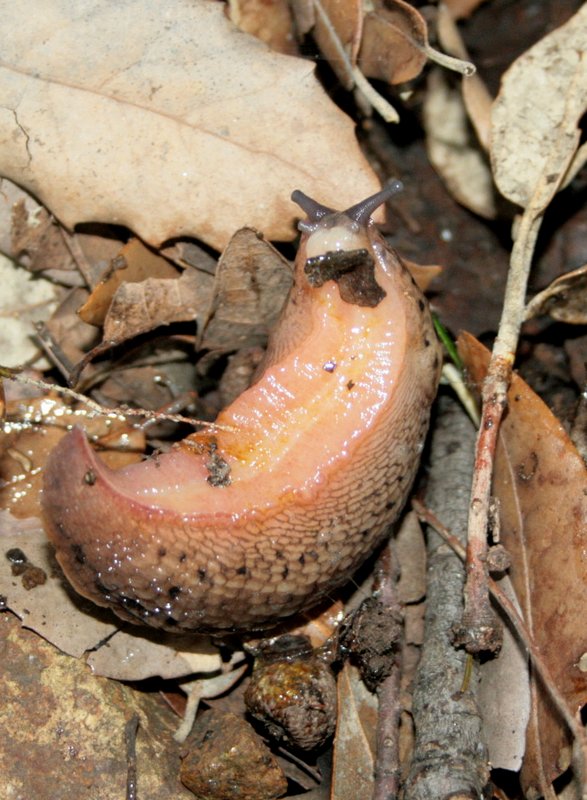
(240, 526)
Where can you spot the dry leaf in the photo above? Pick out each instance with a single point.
(541, 483)
(24, 301)
(543, 96)
(252, 282)
(476, 95)
(452, 149)
(268, 20)
(564, 300)
(133, 264)
(354, 741)
(190, 127)
(140, 307)
(335, 25)
(394, 41)
(504, 697)
(70, 333)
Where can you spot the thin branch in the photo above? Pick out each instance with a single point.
(524, 634)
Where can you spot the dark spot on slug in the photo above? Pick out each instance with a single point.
(350, 385)
(285, 572)
(352, 270)
(90, 477)
(174, 592)
(302, 559)
(162, 552)
(312, 554)
(171, 622)
(16, 556)
(202, 574)
(103, 590)
(132, 605)
(182, 558)
(78, 553)
(426, 342)
(390, 504)
(364, 532)
(421, 305)
(241, 571)
(279, 554)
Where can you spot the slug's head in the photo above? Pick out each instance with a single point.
(329, 230)
(340, 246)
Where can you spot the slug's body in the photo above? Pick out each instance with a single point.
(238, 528)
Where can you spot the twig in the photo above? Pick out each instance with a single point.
(479, 630)
(387, 765)
(524, 634)
(450, 759)
(354, 74)
(120, 413)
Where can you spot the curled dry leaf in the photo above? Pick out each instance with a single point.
(541, 483)
(394, 42)
(534, 130)
(190, 128)
(134, 263)
(252, 281)
(564, 300)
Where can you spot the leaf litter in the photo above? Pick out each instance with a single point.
(153, 313)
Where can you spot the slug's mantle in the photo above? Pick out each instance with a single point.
(241, 526)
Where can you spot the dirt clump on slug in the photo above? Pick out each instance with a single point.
(352, 270)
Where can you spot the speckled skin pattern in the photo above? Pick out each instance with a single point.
(321, 450)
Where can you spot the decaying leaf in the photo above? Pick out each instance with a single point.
(161, 131)
(251, 284)
(564, 300)
(541, 484)
(453, 149)
(536, 114)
